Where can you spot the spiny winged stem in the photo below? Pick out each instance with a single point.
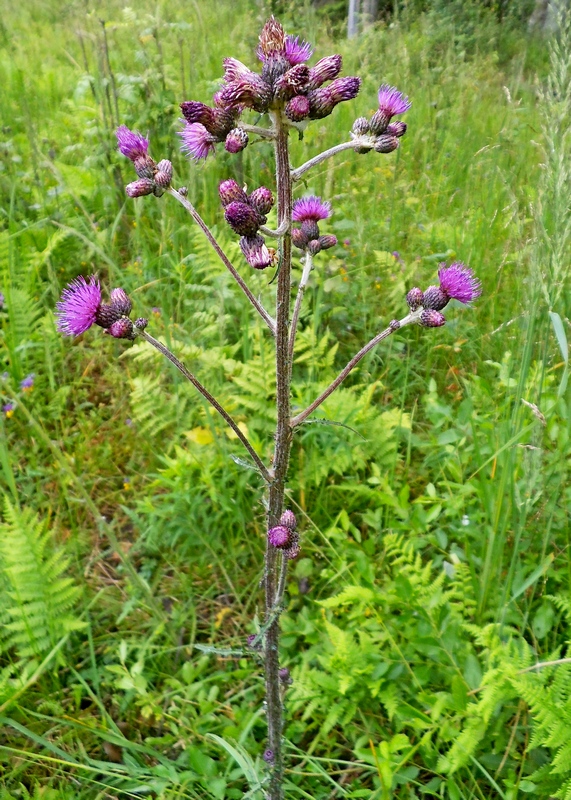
(273, 584)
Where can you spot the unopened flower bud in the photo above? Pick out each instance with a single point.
(262, 200)
(140, 188)
(415, 298)
(252, 643)
(298, 238)
(288, 520)
(279, 536)
(121, 302)
(397, 128)
(268, 756)
(298, 108)
(293, 82)
(163, 175)
(326, 69)
(284, 676)
(435, 298)
(360, 126)
(386, 144)
(327, 240)
(229, 192)
(313, 247)
(243, 218)
(431, 319)
(294, 548)
(255, 251)
(141, 323)
(236, 140)
(122, 329)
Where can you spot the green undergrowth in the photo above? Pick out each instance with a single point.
(432, 489)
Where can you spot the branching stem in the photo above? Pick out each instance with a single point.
(413, 317)
(277, 233)
(209, 398)
(307, 267)
(184, 201)
(339, 148)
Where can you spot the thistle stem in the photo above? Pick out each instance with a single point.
(265, 133)
(307, 267)
(224, 258)
(339, 148)
(277, 233)
(351, 365)
(209, 398)
(281, 458)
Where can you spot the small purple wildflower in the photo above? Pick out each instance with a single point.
(196, 141)
(131, 143)
(8, 410)
(78, 307)
(458, 282)
(27, 384)
(391, 101)
(310, 208)
(268, 756)
(2, 300)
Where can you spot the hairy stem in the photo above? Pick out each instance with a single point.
(339, 148)
(351, 365)
(207, 396)
(281, 457)
(265, 133)
(277, 233)
(223, 257)
(307, 267)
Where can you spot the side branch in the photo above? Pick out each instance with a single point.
(224, 258)
(307, 267)
(351, 365)
(339, 148)
(207, 396)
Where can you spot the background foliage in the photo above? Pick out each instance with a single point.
(435, 570)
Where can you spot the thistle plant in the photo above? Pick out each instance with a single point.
(287, 94)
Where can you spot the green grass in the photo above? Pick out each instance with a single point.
(435, 562)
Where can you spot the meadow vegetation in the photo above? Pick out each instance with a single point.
(436, 566)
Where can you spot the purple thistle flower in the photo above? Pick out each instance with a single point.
(391, 101)
(429, 318)
(262, 200)
(326, 69)
(298, 108)
(27, 384)
(459, 282)
(8, 409)
(230, 192)
(78, 307)
(131, 143)
(310, 208)
(288, 520)
(415, 298)
(121, 329)
(140, 187)
(236, 140)
(292, 82)
(295, 51)
(243, 218)
(120, 301)
(279, 536)
(196, 141)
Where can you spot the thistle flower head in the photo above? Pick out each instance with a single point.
(131, 143)
(121, 329)
(326, 69)
(391, 101)
(297, 51)
(243, 218)
(279, 536)
(78, 307)
(236, 140)
(458, 282)
(197, 142)
(140, 187)
(120, 301)
(255, 251)
(229, 192)
(298, 108)
(310, 208)
(262, 200)
(429, 318)
(272, 40)
(288, 520)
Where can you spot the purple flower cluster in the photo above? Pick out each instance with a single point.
(457, 282)
(285, 82)
(309, 211)
(81, 306)
(380, 133)
(152, 178)
(245, 214)
(284, 536)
